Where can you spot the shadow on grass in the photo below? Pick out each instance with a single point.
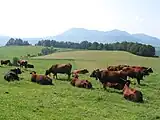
(62, 79)
(143, 84)
(110, 90)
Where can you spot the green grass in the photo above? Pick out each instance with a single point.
(27, 100)
(17, 51)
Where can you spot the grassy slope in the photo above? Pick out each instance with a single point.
(17, 51)
(27, 100)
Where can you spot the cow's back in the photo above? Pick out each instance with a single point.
(62, 68)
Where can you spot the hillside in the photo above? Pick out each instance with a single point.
(102, 58)
(17, 51)
(21, 100)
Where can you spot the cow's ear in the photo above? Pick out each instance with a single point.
(97, 70)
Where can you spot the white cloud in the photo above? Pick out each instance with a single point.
(139, 19)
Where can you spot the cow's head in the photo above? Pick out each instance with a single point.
(33, 72)
(95, 74)
(85, 71)
(150, 70)
(128, 82)
(75, 75)
(47, 72)
(147, 71)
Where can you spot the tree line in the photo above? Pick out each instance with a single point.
(134, 48)
(17, 41)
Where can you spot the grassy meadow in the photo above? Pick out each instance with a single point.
(24, 100)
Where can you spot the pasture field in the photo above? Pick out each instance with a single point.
(16, 51)
(24, 100)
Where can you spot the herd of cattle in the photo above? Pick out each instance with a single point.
(21, 63)
(112, 76)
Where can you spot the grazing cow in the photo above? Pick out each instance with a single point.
(137, 72)
(41, 79)
(23, 63)
(30, 66)
(60, 68)
(105, 76)
(145, 71)
(80, 83)
(81, 71)
(132, 94)
(5, 62)
(12, 74)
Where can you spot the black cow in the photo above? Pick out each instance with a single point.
(12, 74)
(30, 66)
(5, 62)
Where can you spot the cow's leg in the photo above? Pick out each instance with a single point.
(104, 86)
(55, 75)
(69, 76)
(138, 81)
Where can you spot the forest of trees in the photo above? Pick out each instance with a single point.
(16, 41)
(135, 48)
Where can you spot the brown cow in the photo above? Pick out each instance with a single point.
(137, 72)
(80, 83)
(41, 79)
(22, 63)
(105, 76)
(132, 94)
(145, 71)
(81, 71)
(118, 86)
(60, 68)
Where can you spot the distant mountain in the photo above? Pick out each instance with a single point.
(3, 40)
(81, 34)
(147, 39)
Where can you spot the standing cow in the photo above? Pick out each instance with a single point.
(106, 77)
(60, 68)
(5, 62)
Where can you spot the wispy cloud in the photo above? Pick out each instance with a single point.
(139, 19)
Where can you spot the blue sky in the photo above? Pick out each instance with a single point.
(40, 18)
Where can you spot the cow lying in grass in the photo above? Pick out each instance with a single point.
(12, 74)
(80, 83)
(41, 79)
(81, 71)
(118, 86)
(132, 94)
(30, 66)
